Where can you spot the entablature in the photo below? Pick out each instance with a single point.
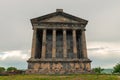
(56, 25)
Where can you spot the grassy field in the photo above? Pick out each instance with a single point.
(61, 77)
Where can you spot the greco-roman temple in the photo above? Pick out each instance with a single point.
(58, 45)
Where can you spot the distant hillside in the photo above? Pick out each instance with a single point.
(107, 71)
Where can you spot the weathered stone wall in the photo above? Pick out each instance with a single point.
(59, 67)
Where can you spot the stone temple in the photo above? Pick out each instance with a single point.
(59, 45)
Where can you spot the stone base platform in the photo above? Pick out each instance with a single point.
(58, 66)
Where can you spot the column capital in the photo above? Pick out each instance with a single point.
(44, 29)
(74, 29)
(54, 29)
(83, 29)
(35, 29)
(64, 29)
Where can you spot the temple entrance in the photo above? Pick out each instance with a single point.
(59, 44)
(49, 44)
(70, 54)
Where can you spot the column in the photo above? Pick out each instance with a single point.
(83, 42)
(64, 44)
(43, 44)
(33, 50)
(74, 44)
(54, 44)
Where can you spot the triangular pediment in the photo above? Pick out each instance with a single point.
(59, 18)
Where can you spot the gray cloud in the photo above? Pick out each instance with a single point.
(95, 49)
(104, 54)
(14, 62)
(15, 58)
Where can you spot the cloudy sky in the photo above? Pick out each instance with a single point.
(103, 35)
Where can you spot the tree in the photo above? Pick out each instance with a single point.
(11, 69)
(98, 70)
(2, 69)
(116, 68)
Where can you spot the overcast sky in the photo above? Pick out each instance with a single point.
(103, 29)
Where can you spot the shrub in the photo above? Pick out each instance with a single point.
(11, 69)
(98, 70)
(116, 69)
(2, 69)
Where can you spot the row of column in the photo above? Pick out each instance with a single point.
(83, 41)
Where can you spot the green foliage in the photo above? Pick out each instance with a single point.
(11, 69)
(116, 69)
(2, 69)
(98, 70)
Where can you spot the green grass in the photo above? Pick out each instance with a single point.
(61, 77)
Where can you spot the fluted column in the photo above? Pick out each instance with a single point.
(83, 41)
(43, 44)
(74, 44)
(33, 50)
(64, 44)
(54, 44)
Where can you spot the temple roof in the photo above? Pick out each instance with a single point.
(59, 17)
